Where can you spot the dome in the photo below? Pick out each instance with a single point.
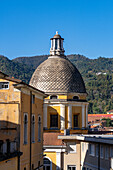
(58, 75)
(57, 36)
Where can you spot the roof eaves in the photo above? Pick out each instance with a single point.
(24, 85)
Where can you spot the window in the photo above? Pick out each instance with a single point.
(4, 85)
(111, 152)
(84, 168)
(8, 145)
(53, 97)
(4, 148)
(71, 167)
(75, 121)
(97, 148)
(32, 166)
(92, 149)
(38, 164)
(1, 146)
(54, 121)
(106, 152)
(12, 146)
(101, 151)
(47, 164)
(55, 43)
(25, 127)
(33, 128)
(75, 97)
(33, 98)
(60, 44)
(39, 128)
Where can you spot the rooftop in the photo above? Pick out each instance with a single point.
(107, 139)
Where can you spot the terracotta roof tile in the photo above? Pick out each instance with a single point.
(52, 139)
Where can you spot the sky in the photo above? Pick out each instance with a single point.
(26, 27)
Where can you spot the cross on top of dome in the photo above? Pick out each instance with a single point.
(57, 45)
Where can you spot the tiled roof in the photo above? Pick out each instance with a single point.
(110, 110)
(52, 139)
(58, 74)
(6, 77)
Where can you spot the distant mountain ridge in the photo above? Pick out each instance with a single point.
(97, 74)
(34, 61)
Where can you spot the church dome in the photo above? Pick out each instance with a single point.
(57, 74)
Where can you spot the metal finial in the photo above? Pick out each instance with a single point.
(57, 32)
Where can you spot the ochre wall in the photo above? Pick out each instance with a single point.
(14, 103)
(37, 109)
(9, 111)
(70, 96)
(9, 164)
(9, 95)
(73, 158)
(76, 110)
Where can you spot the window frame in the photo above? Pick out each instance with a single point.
(39, 128)
(51, 121)
(33, 128)
(75, 97)
(77, 120)
(33, 99)
(102, 149)
(3, 83)
(25, 142)
(54, 97)
(47, 164)
(111, 151)
(71, 166)
(91, 149)
(96, 151)
(106, 152)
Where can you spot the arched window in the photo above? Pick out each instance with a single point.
(25, 127)
(33, 128)
(47, 164)
(75, 97)
(39, 128)
(53, 97)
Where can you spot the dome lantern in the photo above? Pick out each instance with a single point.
(57, 45)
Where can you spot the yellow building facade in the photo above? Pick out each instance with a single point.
(65, 108)
(21, 117)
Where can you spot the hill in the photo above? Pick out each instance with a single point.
(97, 74)
(16, 69)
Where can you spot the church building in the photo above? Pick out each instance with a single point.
(65, 109)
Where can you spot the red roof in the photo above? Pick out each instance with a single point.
(52, 139)
(110, 110)
(100, 115)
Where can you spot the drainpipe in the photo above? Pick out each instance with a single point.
(80, 157)
(98, 156)
(30, 125)
(18, 132)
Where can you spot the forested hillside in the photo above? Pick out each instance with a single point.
(97, 74)
(16, 69)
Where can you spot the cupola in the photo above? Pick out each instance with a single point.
(57, 45)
